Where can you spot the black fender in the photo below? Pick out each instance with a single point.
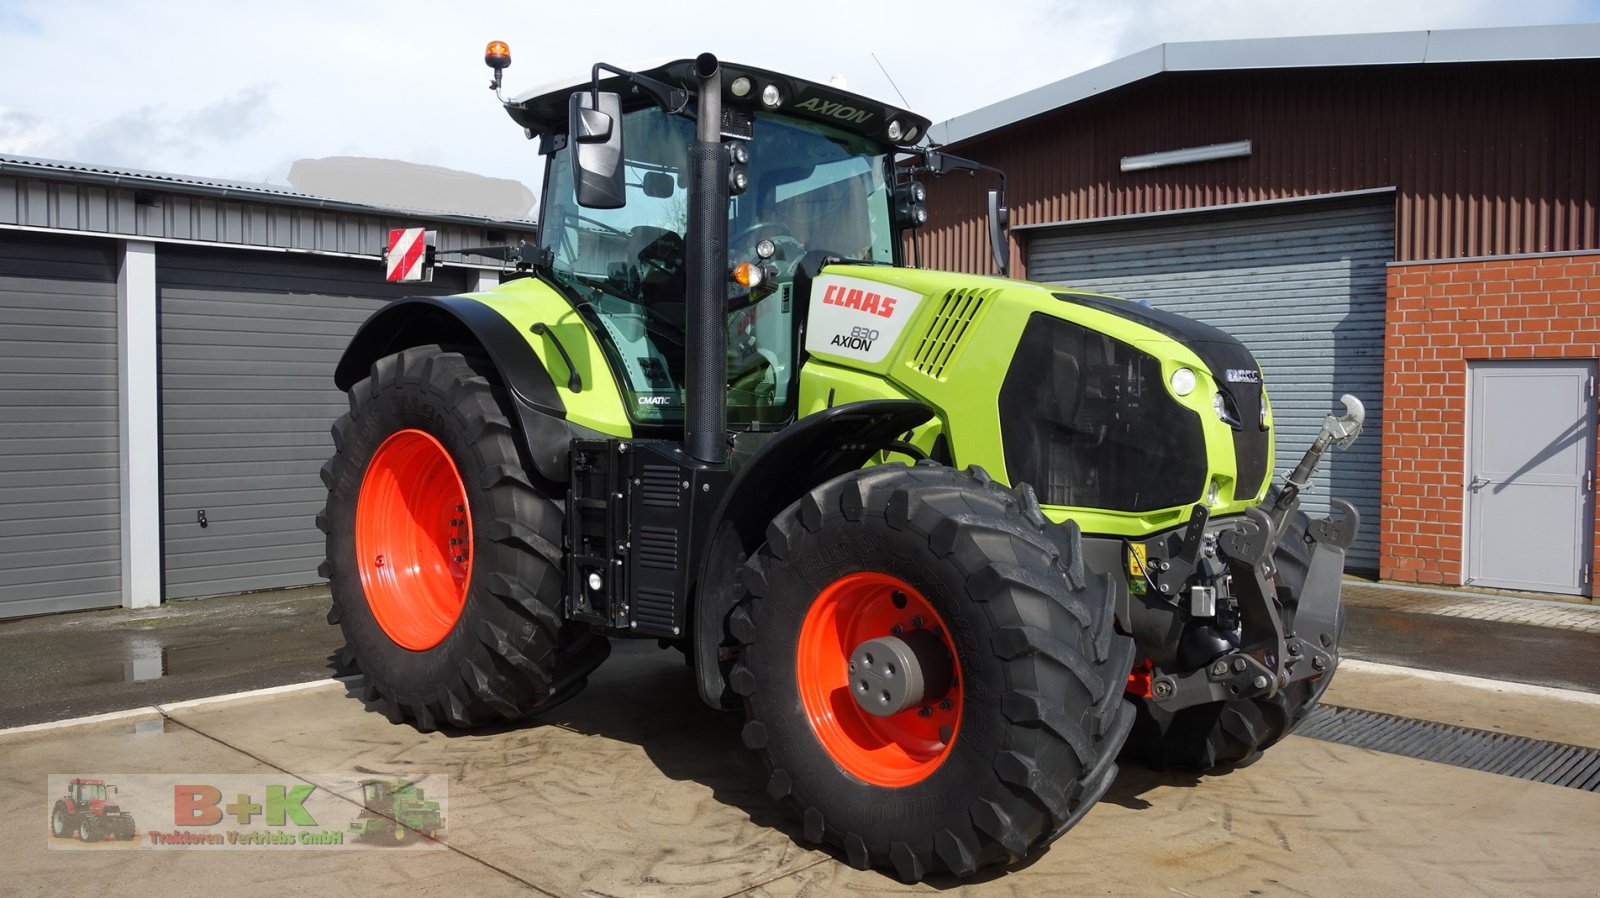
(814, 450)
(461, 320)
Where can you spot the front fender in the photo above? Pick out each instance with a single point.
(816, 449)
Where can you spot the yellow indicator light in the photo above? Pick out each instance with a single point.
(746, 275)
(497, 51)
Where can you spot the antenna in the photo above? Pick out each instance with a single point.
(903, 100)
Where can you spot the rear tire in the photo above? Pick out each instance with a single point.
(1036, 716)
(1234, 733)
(469, 639)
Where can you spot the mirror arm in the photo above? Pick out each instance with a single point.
(674, 100)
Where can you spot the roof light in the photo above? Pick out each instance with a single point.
(497, 55)
(771, 96)
(911, 134)
(894, 129)
(740, 86)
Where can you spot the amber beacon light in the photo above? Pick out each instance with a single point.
(497, 56)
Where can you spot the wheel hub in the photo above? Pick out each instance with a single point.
(890, 674)
(891, 742)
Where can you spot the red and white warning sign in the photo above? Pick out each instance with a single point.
(407, 254)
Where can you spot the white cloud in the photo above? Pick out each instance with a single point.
(242, 89)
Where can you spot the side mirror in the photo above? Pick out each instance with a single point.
(999, 223)
(594, 128)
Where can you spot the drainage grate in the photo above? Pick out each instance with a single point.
(1573, 766)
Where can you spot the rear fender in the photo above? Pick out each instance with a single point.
(818, 448)
(459, 320)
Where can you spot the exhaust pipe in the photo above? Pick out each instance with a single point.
(705, 424)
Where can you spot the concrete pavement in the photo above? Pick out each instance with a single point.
(634, 788)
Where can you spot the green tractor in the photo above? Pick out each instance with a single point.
(392, 811)
(951, 543)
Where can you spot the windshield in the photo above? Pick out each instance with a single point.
(812, 188)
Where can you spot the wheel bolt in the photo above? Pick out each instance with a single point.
(946, 704)
(916, 623)
(925, 712)
(1260, 682)
(1238, 665)
(852, 667)
(897, 630)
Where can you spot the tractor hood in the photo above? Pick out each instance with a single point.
(544, 112)
(1099, 403)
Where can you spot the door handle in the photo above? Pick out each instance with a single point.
(1478, 483)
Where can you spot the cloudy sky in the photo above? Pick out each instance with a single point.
(242, 89)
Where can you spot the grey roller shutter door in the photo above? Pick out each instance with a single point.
(1302, 285)
(60, 542)
(248, 347)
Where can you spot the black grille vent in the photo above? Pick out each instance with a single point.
(1558, 764)
(659, 486)
(653, 608)
(657, 547)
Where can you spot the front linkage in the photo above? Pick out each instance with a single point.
(1276, 575)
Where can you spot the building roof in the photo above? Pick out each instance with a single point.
(55, 169)
(1537, 42)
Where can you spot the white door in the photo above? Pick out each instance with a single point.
(1529, 475)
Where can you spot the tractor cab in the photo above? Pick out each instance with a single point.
(811, 177)
(83, 791)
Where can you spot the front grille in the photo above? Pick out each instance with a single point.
(1087, 421)
(941, 342)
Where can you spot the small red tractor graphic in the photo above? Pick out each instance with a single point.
(88, 812)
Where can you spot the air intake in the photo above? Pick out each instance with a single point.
(941, 343)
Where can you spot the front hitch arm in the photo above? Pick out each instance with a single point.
(1269, 656)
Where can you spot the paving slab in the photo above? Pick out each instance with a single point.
(632, 788)
(1557, 715)
(147, 743)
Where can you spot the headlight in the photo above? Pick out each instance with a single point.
(740, 86)
(1225, 410)
(1183, 382)
(1213, 493)
(894, 129)
(771, 96)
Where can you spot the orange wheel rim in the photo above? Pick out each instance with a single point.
(414, 539)
(893, 751)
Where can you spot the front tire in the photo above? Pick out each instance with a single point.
(61, 822)
(1024, 740)
(444, 555)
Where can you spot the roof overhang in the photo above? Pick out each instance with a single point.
(1529, 43)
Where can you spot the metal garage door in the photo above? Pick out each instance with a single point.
(248, 347)
(60, 543)
(1302, 285)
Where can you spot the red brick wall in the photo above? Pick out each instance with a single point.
(1441, 316)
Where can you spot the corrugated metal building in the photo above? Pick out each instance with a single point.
(166, 349)
(1290, 190)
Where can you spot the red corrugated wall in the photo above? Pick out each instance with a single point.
(1487, 159)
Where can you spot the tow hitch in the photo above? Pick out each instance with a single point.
(1268, 655)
